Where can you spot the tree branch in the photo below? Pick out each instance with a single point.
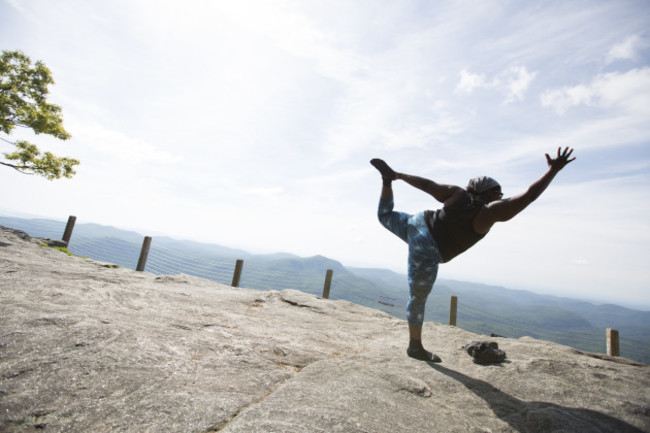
(7, 141)
(18, 168)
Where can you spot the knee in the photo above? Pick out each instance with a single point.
(417, 303)
(415, 310)
(419, 289)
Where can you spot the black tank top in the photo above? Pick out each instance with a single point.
(451, 226)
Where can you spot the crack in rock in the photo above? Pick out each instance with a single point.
(224, 423)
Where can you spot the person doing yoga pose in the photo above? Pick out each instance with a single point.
(435, 237)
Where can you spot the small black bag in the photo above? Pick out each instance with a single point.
(484, 352)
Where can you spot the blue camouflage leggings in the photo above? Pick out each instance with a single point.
(423, 260)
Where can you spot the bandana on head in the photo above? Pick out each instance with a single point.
(483, 183)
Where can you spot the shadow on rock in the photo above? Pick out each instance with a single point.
(534, 416)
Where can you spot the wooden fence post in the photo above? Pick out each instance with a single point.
(237, 275)
(612, 342)
(144, 252)
(453, 307)
(67, 234)
(328, 284)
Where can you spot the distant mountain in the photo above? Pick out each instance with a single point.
(192, 247)
(481, 308)
(515, 313)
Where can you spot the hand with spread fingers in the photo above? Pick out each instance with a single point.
(561, 160)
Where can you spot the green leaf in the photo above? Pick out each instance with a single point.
(23, 102)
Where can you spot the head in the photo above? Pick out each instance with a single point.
(485, 188)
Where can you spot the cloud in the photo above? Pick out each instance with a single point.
(626, 50)
(391, 121)
(18, 6)
(563, 99)
(119, 145)
(262, 191)
(629, 91)
(468, 82)
(514, 81)
(519, 80)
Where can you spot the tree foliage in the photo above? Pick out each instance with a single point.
(23, 103)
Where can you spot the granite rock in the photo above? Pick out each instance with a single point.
(86, 347)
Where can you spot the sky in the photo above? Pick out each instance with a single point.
(250, 124)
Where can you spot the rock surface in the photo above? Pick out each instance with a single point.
(86, 347)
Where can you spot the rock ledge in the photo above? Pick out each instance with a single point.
(84, 347)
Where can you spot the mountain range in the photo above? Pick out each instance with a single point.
(485, 309)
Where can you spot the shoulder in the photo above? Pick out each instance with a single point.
(500, 211)
(487, 215)
(458, 196)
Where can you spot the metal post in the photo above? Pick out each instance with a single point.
(453, 307)
(237, 275)
(67, 234)
(328, 284)
(144, 252)
(612, 342)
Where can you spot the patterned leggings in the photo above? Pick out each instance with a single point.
(423, 260)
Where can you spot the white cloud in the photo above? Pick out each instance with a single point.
(563, 99)
(468, 81)
(119, 145)
(519, 80)
(18, 6)
(423, 133)
(262, 192)
(626, 50)
(629, 91)
(514, 81)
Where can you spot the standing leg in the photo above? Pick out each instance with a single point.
(422, 272)
(423, 259)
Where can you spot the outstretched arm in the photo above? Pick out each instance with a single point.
(503, 210)
(440, 192)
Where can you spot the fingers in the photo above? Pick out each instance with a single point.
(565, 154)
(568, 154)
(562, 158)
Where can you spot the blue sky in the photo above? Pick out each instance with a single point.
(250, 124)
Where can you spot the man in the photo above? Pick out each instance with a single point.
(438, 236)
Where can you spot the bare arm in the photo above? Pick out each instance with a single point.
(440, 192)
(503, 210)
